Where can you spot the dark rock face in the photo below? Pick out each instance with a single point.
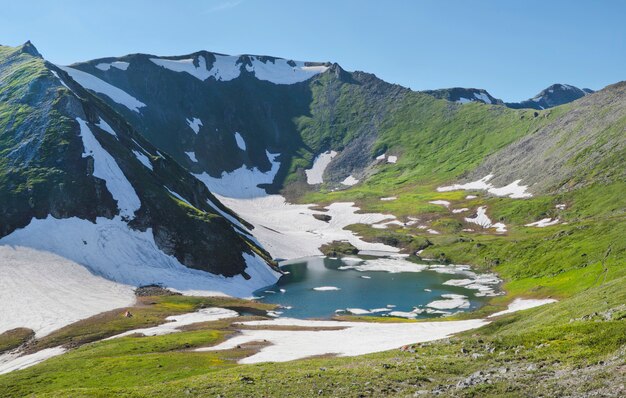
(464, 95)
(44, 171)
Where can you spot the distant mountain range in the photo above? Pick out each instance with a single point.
(555, 95)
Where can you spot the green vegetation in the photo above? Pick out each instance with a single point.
(14, 338)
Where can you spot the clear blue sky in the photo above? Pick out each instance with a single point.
(511, 48)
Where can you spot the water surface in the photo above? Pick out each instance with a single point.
(370, 290)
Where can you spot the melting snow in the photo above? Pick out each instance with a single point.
(113, 250)
(523, 304)
(513, 190)
(100, 86)
(315, 174)
(242, 182)
(354, 338)
(121, 65)
(10, 362)
(546, 222)
(195, 124)
(228, 67)
(43, 291)
(350, 180)
(105, 126)
(281, 72)
(483, 97)
(178, 321)
(143, 159)
(484, 221)
(240, 141)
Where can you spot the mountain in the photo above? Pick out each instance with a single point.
(77, 180)
(464, 95)
(272, 119)
(555, 95)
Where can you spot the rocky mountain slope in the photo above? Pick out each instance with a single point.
(555, 95)
(77, 180)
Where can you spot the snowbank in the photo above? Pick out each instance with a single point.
(43, 291)
(112, 249)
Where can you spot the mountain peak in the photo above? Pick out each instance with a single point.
(29, 48)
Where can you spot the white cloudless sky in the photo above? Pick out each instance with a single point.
(513, 49)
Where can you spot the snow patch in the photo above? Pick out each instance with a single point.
(354, 338)
(242, 183)
(392, 159)
(483, 97)
(545, 222)
(440, 202)
(194, 124)
(241, 143)
(461, 210)
(484, 221)
(105, 66)
(178, 321)
(513, 190)
(143, 159)
(523, 304)
(105, 126)
(192, 156)
(106, 168)
(350, 180)
(389, 198)
(111, 249)
(315, 174)
(282, 71)
(10, 362)
(91, 82)
(43, 291)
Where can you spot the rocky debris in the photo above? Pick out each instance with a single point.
(154, 290)
(322, 217)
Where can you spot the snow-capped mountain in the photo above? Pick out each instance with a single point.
(78, 181)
